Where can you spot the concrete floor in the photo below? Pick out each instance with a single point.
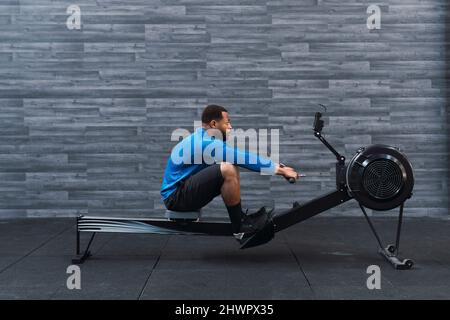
(322, 258)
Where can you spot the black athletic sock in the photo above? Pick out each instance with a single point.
(235, 213)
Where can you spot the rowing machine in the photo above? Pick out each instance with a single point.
(378, 177)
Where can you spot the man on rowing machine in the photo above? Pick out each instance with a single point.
(189, 185)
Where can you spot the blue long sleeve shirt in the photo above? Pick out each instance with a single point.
(199, 150)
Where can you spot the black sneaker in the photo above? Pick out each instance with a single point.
(252, 223)
(262, 212)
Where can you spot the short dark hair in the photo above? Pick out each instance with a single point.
(212, 112)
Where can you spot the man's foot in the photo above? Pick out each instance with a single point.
(252, 223)
(263, 211)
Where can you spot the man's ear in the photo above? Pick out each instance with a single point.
(213, 123)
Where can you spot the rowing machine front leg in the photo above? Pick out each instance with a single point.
(390, 252)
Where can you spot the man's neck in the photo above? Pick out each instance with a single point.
(206, 128)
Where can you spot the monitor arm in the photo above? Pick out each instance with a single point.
(318, 126)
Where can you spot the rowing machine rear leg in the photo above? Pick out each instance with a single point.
(80, 258)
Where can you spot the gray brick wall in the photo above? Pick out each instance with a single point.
(86, 115)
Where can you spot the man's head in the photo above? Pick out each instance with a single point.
(216, 117)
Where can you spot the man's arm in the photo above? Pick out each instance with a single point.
(251, 161)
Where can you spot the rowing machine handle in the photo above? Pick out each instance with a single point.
(291, 180)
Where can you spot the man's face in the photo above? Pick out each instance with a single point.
(224, 125)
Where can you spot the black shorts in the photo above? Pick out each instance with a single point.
(197, 190)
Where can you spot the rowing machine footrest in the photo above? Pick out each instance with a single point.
(262, 236)
(183, 215)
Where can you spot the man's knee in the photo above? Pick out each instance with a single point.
(229, 170)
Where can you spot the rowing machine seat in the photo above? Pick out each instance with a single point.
(183, 215)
